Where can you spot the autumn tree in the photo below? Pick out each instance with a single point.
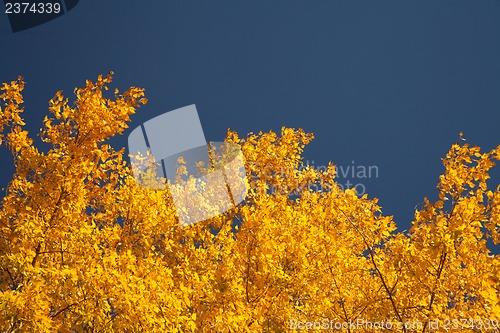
(83, 248)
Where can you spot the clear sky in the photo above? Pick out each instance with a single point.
(387, 84)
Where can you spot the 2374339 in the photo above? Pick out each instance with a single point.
(32, 8)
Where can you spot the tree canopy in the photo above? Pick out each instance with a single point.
(83, 248)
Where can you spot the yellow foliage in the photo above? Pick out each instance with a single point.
(84, 249)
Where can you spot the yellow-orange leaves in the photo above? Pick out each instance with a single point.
(84, 249)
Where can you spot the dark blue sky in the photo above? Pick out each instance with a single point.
(387, 83)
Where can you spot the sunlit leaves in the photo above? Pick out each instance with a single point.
(84, 249)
